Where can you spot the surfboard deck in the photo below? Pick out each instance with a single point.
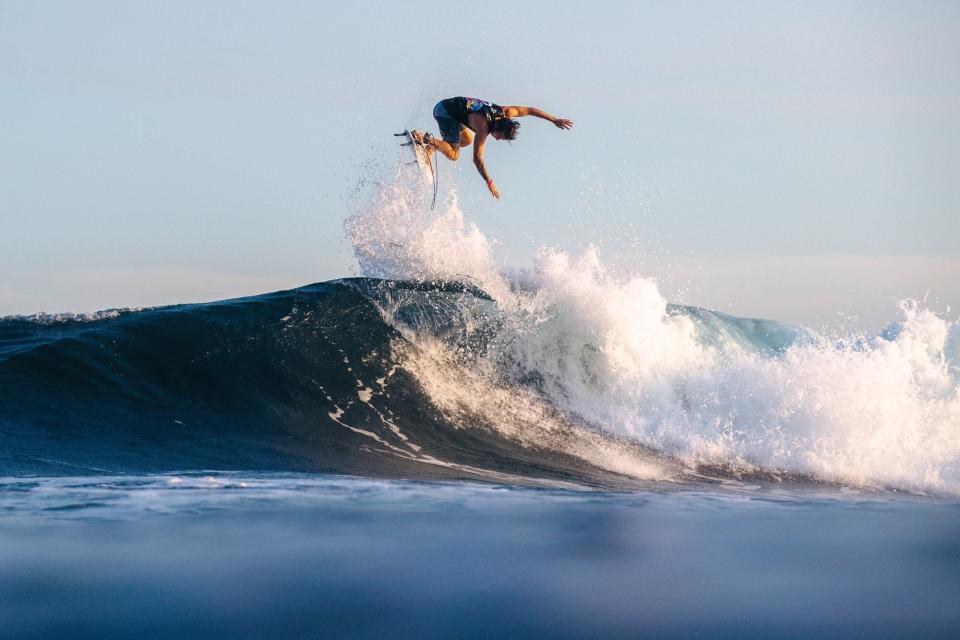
(422, 159)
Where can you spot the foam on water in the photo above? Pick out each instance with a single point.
(580, 344)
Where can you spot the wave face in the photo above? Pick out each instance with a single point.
(443, 363)
(312, 379)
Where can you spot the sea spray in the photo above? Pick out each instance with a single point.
(606, 351)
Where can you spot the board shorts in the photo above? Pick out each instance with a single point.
(449, 128)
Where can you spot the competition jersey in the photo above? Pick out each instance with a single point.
(461, 107)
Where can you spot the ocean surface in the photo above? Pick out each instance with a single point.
(314, 555)
(448, 447)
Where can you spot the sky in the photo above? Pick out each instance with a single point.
(795, 161)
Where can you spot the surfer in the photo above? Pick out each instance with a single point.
(465, 120)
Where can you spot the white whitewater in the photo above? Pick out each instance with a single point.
(607, 350)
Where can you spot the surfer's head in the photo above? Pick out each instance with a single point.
(505, 129)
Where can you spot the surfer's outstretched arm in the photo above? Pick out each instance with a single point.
(519, 112)
(481, 167)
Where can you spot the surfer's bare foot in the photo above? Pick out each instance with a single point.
(423, 139)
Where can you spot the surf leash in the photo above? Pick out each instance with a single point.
(433, 172)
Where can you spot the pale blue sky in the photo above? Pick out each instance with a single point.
(156, 152)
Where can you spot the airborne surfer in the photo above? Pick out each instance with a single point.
(465, 120)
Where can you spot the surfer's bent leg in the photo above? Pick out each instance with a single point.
(450, 132)
(447, 149)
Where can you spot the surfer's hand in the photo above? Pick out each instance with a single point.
(563, 123)
(493, 189)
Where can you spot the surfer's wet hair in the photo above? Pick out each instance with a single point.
(509, 128)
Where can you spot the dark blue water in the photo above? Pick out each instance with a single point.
(289, 556)
(250, 384)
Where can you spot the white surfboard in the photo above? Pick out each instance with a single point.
(423, 160)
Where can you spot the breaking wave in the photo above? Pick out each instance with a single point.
(704, 388)
(443, 363)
